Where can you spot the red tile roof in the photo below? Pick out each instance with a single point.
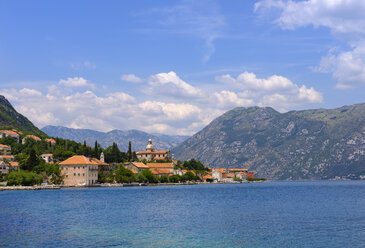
(81, 160)
(33, 137)
(160, 171)
(140, 165)
(160, 165)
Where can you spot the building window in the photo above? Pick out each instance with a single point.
(78, 174)
(66, 176)
(83, 174)
(74, 167)
(78, 167)
(74, 174)
(83, 167)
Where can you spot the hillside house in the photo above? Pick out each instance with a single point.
(33, 137)
(165, 166)
(5, 150)
(9, 133)
(51, 141)
(47, 157)
(9, 158)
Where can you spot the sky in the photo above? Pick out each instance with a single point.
(173, 66)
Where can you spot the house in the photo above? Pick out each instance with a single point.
(47, 157)
(161, 172)
(9, 133)
(14, 165)
(250, 174)
(33, 137)
(5, 150)
(4, 168)
(150, 153)
(7, 157)
(51, 141)
(165, 166)
(80, 170)
(136, 167)
(219, 174)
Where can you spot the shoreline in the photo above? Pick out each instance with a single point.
(111, 185)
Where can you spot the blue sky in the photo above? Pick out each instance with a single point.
(173, 66)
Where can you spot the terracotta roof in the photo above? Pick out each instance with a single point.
(160, 165)
(14, 164)
(6, 156)
(50, 140)
(140, 165)
(222, 170)
(230, 175)
(47, 154)
(9, 132)
(160, 171)
(33, 137)
(81, 160)
(207, 176)
(4, 146)
(149, 152)
(238, 170)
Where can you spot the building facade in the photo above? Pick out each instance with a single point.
(80, 170)
(150, 153)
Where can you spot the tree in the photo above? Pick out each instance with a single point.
(149, 176)
(129, 153)
(24, 178)
(188, 176)
(174, 178)
(32, 161)
(123, 175)
(164, 179)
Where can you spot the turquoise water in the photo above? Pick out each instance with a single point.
(273, 214)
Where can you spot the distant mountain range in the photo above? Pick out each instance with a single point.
(9, 117)
(139, 139)
(309, 144)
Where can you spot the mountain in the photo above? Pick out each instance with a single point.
(309, 144)
(9, 117)
(139, 139)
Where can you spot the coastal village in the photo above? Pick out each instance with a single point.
(148, 166)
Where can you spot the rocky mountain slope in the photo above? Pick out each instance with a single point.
(139, 139)
(310, 144)
(9, 117)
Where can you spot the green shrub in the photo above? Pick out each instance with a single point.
(24, 178)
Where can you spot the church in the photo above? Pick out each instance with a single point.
(151, 154)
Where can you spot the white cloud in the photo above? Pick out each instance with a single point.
(347, 67)
(84, 65)
(229, 99)
(345, 19)
(275, 91)
(75, 82)
(131, 78)
(170, 84)
(176, 107)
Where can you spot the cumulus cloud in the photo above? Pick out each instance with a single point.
(275, 91)
(131, 78)
(187, 110)
(75, 82)
(345, 19)
(170, 84)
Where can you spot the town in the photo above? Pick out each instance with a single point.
(75, 164)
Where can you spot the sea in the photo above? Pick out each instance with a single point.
(269, 214)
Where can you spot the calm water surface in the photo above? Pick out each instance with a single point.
(273, 214)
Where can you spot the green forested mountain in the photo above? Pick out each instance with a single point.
(309, 144)
(9, 117)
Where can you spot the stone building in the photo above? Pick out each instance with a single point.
(136, 167)
(80, 170)
(5, 150)
(150, 153)
(9, 133)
